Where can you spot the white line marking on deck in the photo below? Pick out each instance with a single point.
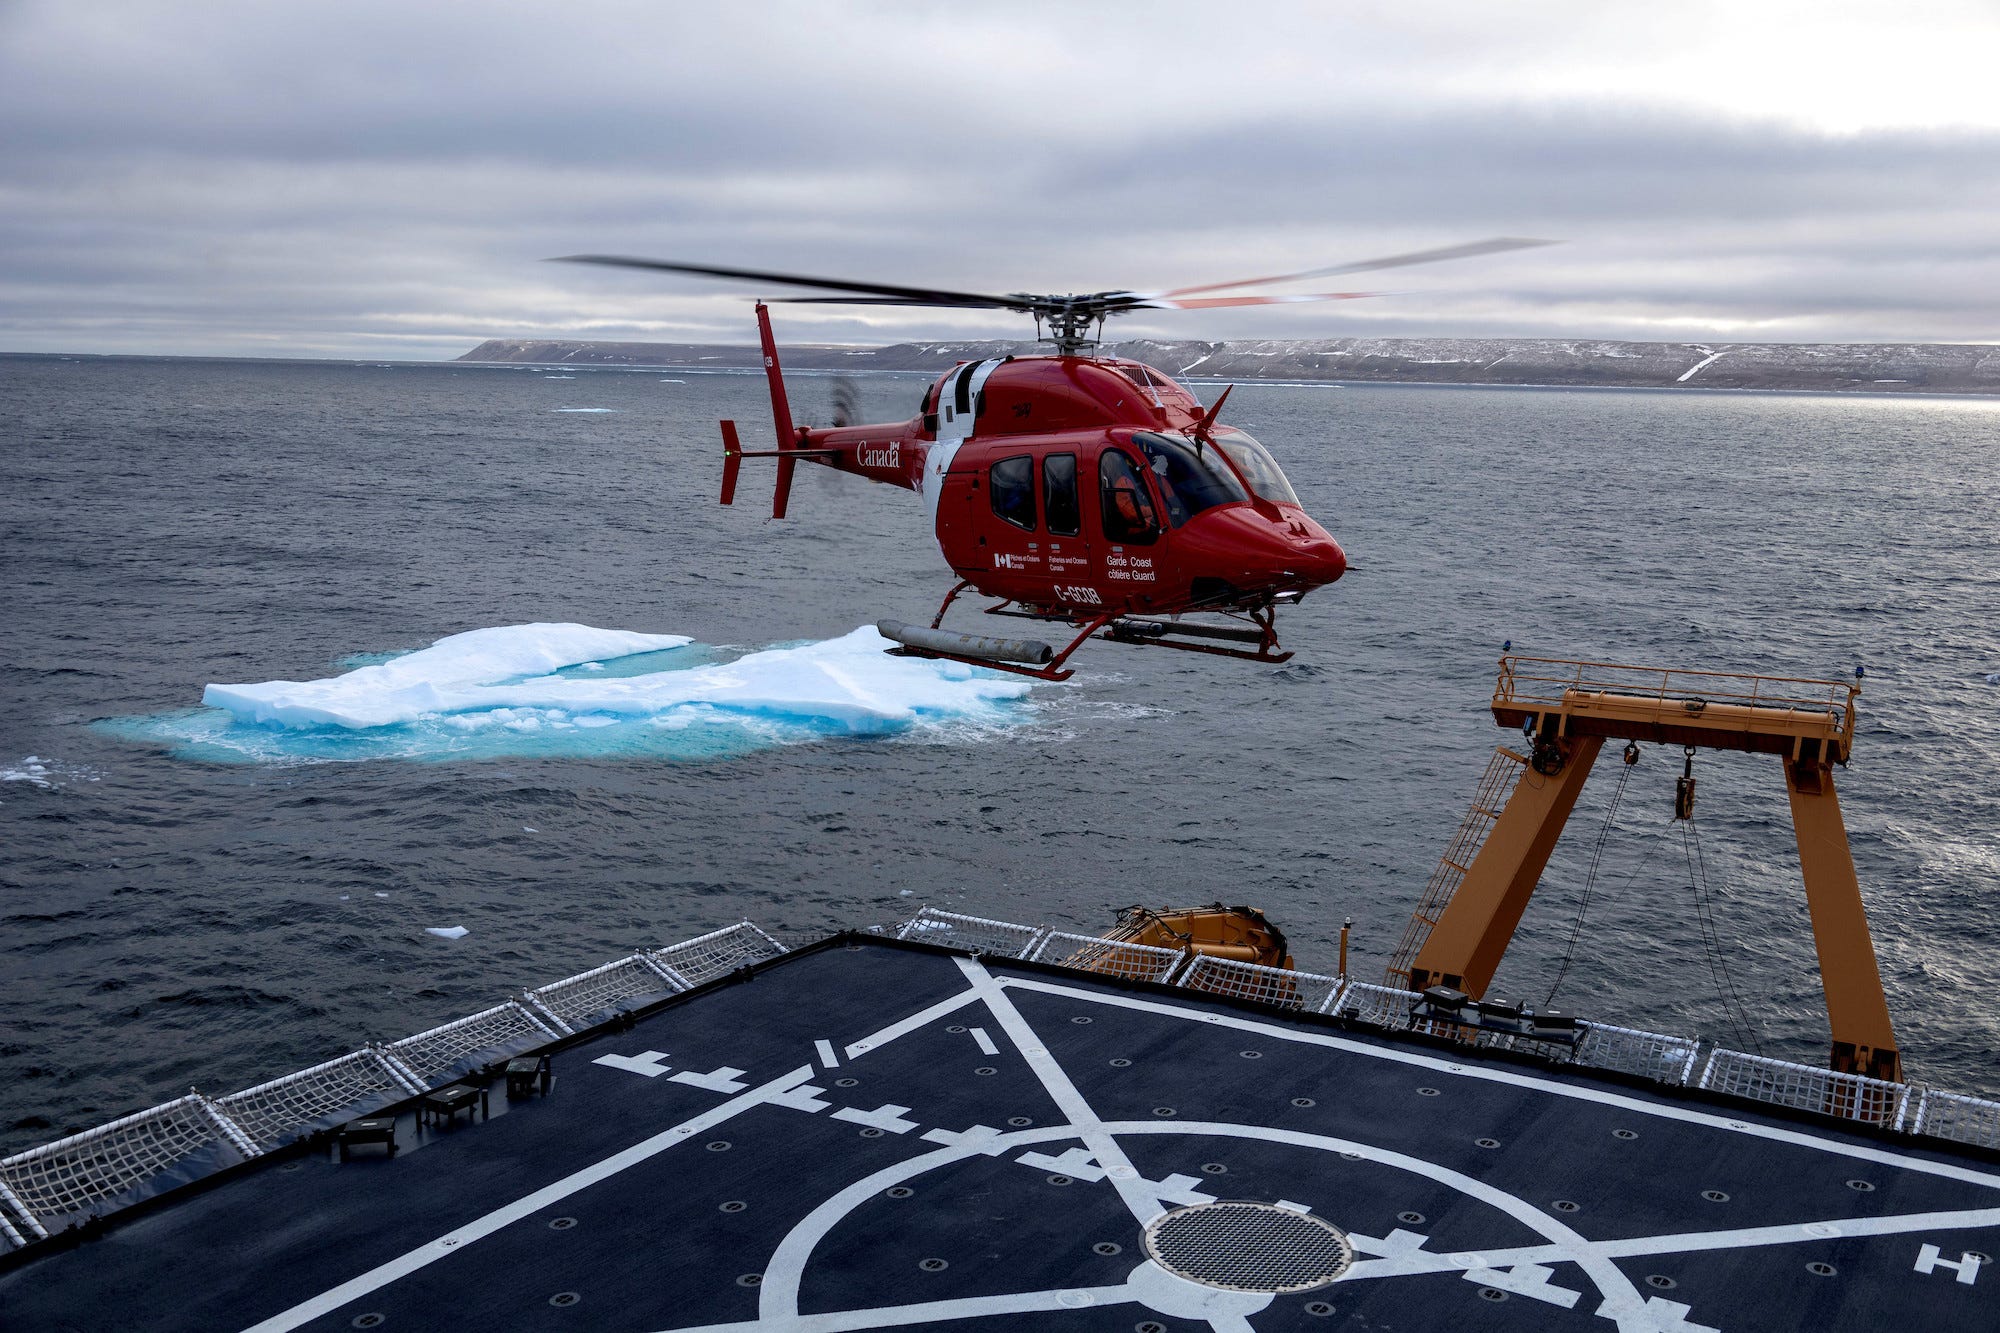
(985, 1042)
(1055, 1080)
(826, 1056)
(904, 1027)
(1577, 1092)
(455, 1241)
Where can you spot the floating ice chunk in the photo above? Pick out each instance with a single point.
(32, 768)
(591, 666)
(1993, 678)
(847, 685)
(526, 829)
(586, 409)
(433, 679)
(447, 932)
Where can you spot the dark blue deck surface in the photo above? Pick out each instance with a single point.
(980, 1153)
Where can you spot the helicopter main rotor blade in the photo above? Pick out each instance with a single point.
(885, 293)
(1219, 302)
(1491, 246)
(896, 300)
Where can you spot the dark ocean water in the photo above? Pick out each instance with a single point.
(168, 920)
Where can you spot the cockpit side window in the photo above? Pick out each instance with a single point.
(1124, 503)
(1013, 488)
(1191, 479)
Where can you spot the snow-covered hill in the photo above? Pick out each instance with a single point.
(1862, 367)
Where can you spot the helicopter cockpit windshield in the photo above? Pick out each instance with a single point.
(1190, 480)
(1254, 461)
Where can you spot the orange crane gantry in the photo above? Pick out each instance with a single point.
(1568, 710)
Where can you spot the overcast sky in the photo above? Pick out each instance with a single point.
(382, 179)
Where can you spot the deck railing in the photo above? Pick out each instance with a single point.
(73, 1179)
(60, 1184)
(1543, 682)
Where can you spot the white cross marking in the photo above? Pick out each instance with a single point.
(716, 1080)
(1657, 1315)
(887, 1116)
(980, 1138)
(1525, 1280)
(646, 1063)
(804, 1097)
(1395, 1254)
(1177, 1189)
(1078, 1163)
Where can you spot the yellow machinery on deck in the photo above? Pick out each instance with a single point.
(1567, 710)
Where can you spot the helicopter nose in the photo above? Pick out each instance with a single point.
(1311, 555)
(1320, 562)
(1251, 550)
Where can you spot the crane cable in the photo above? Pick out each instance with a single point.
(1711, 937)
(1590, 879)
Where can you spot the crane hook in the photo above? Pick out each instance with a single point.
(1631, 753)
(1684, 789)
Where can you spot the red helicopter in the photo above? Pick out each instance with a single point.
(1076, 489)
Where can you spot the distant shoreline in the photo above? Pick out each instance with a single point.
(1872, 368)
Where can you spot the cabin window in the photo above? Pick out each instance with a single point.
(1125, 505)
(1191, 478)
(1059, 499)
(1261, 470)
(1013, 490)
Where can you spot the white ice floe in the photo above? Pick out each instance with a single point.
(434, 679)
(1993, 678)
(586, 409)
(497, 678)
(447, 932)
(31, 769)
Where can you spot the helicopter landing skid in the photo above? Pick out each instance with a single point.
(1262, 653)
(1142, 633)
(1052, 670)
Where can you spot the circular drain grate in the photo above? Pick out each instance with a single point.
(1249, 1247)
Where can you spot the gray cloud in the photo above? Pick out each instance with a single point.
(373, 180)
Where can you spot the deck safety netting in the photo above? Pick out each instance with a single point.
(976, 933)
(1952, 1115)
(1383, 1006)
(601, 992)
(289, 1108)
(440, 1055)
(1804, 1088)
(1111, 958)
(1279, 987)
(1630, 1051)
(719, 952)
(103, 1168)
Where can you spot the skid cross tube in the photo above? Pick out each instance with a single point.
(1570, 709)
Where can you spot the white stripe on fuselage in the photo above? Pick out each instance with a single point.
(953, 429)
